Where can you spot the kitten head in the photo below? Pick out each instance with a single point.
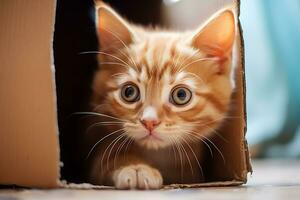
(167, 87)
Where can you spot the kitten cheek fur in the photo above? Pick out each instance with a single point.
(156, 61)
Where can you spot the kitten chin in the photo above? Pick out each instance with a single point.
(159, 96)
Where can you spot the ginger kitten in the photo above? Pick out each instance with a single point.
(157, 96)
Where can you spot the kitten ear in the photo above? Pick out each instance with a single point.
(113, 31)
(217, 36)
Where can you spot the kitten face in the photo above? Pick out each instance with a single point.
(166, 87)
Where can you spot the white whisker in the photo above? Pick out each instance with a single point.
(103, 123)
(107, 148)
(106, 54)
(99, 114)
(119, 74)
(123, 43)
(112, 147)
(175, 156)
(215, 148)
(216, 132)
(194, 154)
(199, 138)
(198, 60)
(127, 146)
(113, 63)
(183, 62)
(94, 146)
(187, 156)
(119, 149)
(180, 156)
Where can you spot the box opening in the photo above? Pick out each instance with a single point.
(75, 33)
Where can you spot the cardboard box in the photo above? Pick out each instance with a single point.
(29, 142)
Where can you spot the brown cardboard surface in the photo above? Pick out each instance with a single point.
(243, 79)
(88, 186)
(234, 148)
(28, 128)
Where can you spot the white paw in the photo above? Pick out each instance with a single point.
(137, 177)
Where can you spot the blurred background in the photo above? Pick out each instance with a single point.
(272, 47)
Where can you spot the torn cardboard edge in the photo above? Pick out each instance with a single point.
(87, 186)
(242, 59)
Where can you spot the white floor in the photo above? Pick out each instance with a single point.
(272, 179)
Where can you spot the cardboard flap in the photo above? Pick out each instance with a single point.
(28, 128)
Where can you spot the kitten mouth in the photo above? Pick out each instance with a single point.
(151, 136)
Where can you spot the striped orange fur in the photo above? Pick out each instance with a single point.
(156, 141)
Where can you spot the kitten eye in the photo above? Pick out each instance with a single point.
(130, 93)
(180, 96)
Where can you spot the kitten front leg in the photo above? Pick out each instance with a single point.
(137, 176)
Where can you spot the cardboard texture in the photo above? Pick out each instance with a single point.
(29, 150)
(29, 154)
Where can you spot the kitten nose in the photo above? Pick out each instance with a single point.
(149, 118)
(150, 124)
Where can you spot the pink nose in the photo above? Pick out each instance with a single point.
(150, 124)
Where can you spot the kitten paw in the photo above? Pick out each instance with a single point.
(137, 177)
